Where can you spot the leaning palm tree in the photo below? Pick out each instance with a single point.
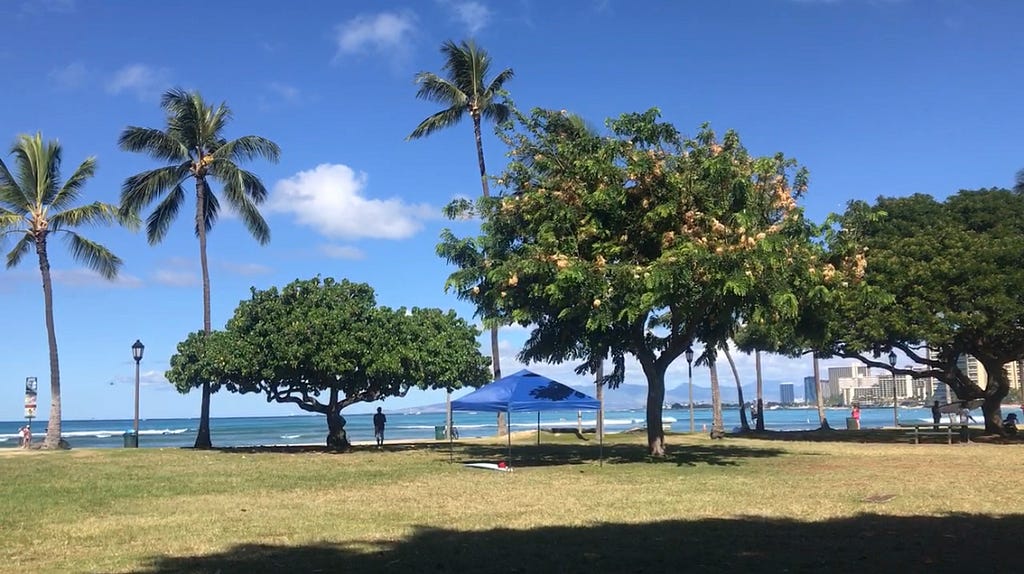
(739, 389)
(195, 147)
(36, 204)
(463, 91)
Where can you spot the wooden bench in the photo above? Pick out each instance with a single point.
(918, 430)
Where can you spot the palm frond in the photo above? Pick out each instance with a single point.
(248, 148)
(140, 190)
(497, 112)
(440, 120)
(11, 193)
(466, 65)
(163, 216)
(92, 255)
(19, 250)
(436, 89)
(69, 192)
(214, 122)
(211, 210)
(498, 82)
(92, 214)
(153, 142)
(38, 167)
(244, 191)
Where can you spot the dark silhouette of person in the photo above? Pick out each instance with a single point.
(378, 427)
(936, 414)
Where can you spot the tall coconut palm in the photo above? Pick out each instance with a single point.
(717, 425)
(739, 389)
(35, 204)
(194, 145)
(464, 90)
(760, 391)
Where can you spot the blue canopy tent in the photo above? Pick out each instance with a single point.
(526, 391)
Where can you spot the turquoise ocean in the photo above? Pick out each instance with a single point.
(311, 429)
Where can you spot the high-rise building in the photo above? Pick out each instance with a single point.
(810, 390)
(977, 373)
(786, 393)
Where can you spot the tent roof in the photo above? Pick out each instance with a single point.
(525, 391)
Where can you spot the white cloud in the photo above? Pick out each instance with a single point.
(246, 269)
(342, 252)
(329, 198)
(383, 33)
(89, 278)
(473, 15)
(70, 76)
(144, 81)
(176, 278)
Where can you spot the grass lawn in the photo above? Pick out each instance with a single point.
(735, 505)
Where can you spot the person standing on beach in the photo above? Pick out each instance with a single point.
(378, 427)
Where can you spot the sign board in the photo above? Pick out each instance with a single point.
(30, 397)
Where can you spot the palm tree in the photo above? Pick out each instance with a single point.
(36, 204)
(717, 425)
(465, 91)
(194, 145)
(739, 389)
(760, 391)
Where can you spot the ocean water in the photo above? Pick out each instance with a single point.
(312, 429)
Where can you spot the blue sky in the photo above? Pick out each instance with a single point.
(875, 97)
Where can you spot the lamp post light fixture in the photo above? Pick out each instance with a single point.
(895, 402)
(689, 374)
(137, 349)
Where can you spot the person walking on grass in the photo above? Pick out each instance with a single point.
(378, 427)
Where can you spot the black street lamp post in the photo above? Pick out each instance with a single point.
(689, 374)
(137, 349)
(895, 402)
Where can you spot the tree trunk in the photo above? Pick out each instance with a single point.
(337, 438)
(996, 389)
(760, 391)
(655, 404)
(817, 391)
(448, 415)
(717, 426)
(53, 431)
(599, 391)
(739, 390)
(203, 435)
(485, 188)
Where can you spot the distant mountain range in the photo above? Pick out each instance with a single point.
(635, 396)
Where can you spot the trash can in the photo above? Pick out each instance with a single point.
(131, 440)
(852, 424)
(439, 432)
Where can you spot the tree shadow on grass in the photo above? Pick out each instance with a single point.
(876, 436)
(862, 544)
(722, 454)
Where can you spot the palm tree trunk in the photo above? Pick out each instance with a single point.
(717, 426)
(203, 435)
(739, 390)
(480, 155)
(53, 432)
(817, 391)
(760, 391)
(495, 359)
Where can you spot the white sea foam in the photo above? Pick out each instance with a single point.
(290, 436)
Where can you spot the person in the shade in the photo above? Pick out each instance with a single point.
(379, 420)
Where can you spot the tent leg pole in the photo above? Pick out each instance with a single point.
(451, 441)
(538, 428)
(508, 433)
